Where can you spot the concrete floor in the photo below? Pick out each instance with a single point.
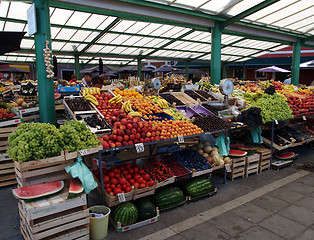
(271, 205)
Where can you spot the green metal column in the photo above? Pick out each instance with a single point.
(296, 62)
(223, 70)
(77, 65)
(45, 86)
(187, 64)
(215, 63)
(139, 68)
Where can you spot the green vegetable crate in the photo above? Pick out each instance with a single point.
(121, 229)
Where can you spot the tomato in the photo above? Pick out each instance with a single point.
(119, 186)
(136, 184)
(131, 171)
(108, 190)
(117, 190)
(144, 182)
(105, 171)
(123, 181)
(117, 176)
(146, 177)
(139, 180)
(124, 186)
(114, 181)
(112, 186)
(116, 170)
(128, 176)
(132, 181)
(136, 175)
(141, 171)
(151, 183)
(125, 172)
(135, 169)
(128, 189)
(111, 174)
(128, 166)
(142, 185)
(107, 185)
(106, 179)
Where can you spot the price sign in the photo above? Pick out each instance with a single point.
(276, 122)
(180, 139)
(228, 168)
(121, 197)
(304, 118)
(84, 152)
(139, 147)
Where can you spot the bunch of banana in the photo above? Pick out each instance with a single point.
(135, 114)
(127, 106)
(91, 91)
(91, 98)
(154, 98)
(162, 103)
(167, 111)
(116, 99)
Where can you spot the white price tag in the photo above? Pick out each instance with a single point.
(228, 168)
(139, 147)
(304, 118)
(276, 122)
(71, 97)
(84, 152)
(180, 139)
(121, 197)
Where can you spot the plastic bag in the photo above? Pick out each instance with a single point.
(81, 171)
(256, 133)
(223, 144)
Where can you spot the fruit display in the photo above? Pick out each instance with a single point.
(136, 176)
(194, 95)
(168, 197)
(128, 94)
(158, 170)
(237, 153)
(90, 91)
(278, 85)
(154, 98)
(270, 90)
(198, 187)
(115, 183)
(176, 168)
(76, 186)
(249, 150)
(37, 191)
(6, 114)
(171, 99)
(301, 104)
(273, 107)
(94, 121)
(127, 106)
(285, 156)
(175, 114)
(146, 209)
(209, 123)
(145, 106)
(126, 213)
(205, 95)
(251, 117)
(192, 160)
(78, 104)
(105, 102)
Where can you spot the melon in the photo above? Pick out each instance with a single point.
(76, 186)
(57, 95)
(249, 150)
(146, 209)
(285, 156)
(37, 191)
(237, 153)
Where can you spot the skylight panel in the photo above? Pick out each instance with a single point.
(120, 39)
(16, 27)
(123, 25)
(18, 10)
(299, 25)
(60, 16)
(78, 18)
(130, 50)
(94, 21)
(65, 34)
(192, 4)
(80, 35)
(94, 48)
(242, 6)
(106, 23)
(304, 14)
(133, 40)
(150, 28)
(107, 38)
(138, 26)
(161, 30)
(56, 46)
(4, 7)
(107, 49)
(1, 25)
(118, 50)
(216, 6)
(243, 59)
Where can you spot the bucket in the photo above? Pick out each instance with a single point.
(99, 226)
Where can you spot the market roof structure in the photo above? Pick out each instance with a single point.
(121, 31)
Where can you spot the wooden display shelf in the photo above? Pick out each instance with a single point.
(237, 168)
(252, 164)
(54, 218)
(42, 171)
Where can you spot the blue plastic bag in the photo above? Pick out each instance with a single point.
(256, 133)
(223, 144)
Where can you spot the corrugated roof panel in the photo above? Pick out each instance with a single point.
(120, 39)
(150, 28)
(241, 6)
(107, 49)
(94, 48)
(105, 23)
(130, 50)
(162, 30)
(243, 59)
(288, 21)
(228, 39)
(175, 32)
(56, 46)
(107, 38)
(138, 26)
(1, 25)
(118, 50)
(54, 31)
(194, 3)
(217, 6)
(133, 40)
(228, 58)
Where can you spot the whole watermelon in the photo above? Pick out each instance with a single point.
(198, 186)
(168, 197)
(125, 213)
(146, 209)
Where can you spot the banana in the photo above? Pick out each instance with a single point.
(135, 114)
(92, 99)
(112, 100)
(84, 92)
(168, 112)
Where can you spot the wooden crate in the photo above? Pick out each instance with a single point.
(252, 164)
(4, 134)
(144, 192)
(237, 168)
(42, 171)
(7, 174)
(54, 218)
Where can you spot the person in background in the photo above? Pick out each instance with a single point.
(87, 79)
(16, 81)
(73, 78)
(288, 80)
(98, 82)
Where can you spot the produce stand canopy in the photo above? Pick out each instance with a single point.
(119, 38)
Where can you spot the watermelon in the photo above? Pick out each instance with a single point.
(236, 145)
(146, 209)
(236, 153)
(285, 156)
(126, 213)
(76, 186)
(57, 95)
(37, 191)
(198, 186)
(249, 150)
(168, 197)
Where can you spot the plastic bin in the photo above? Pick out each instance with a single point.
(99, 226)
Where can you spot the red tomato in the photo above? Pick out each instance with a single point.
(106, 179)
(117, 190)
(111, 174)
(112, 186)
(136, 176)
(146, 177)
(142, 185)
(135, 169)
(105, 171)
(144, 182)
(139, 180)
(141, 171)
(136, 184)
(116, 170)
(108, 190)
(123, 181)
(118, 185)
(151, 183)
(124, 186)
(107, 185)
(128, 166)
(125, 172)
(131, 171)
(114, 181)
(132, 181)
(128, 189)
(128, 176)
(117, 176)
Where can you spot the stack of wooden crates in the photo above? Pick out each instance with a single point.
(265, 154)
(54, 217)
(237, 168)
(252, 164)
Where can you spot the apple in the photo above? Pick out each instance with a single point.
(121, 133)
(143, 135)
(124, 143)
(134, 125)
(126, 138)
(129, 117)
(152, 139)
(139, 130)
(112, 145)
(119, 139)
(106, 138)
(148, 134)
(133, 131)
(124, 121)
(142, 140)
(136, 141)
(129, 126)
(122, 127)
(132, 137)
(105, 145)
(137, 136)
(113, 137)
(136, 119)
(117, 124)
(128, 132)
(118, 144)
(144, 129)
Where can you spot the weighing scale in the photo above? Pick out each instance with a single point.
(226, 88)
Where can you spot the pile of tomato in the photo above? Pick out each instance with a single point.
(115, 183)
(158, 170)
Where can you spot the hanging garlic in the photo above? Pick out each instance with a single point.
(47, 60)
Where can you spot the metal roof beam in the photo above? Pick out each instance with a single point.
(248, 12)
(110, 26)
